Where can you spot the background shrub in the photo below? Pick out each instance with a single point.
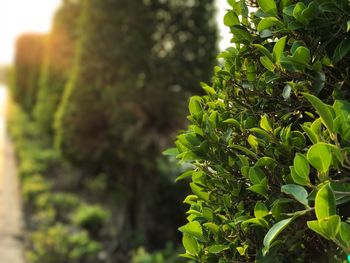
(58, 61)
(28, 63)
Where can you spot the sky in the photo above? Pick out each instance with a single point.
(21, 16)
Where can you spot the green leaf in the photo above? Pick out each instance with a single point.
(253, 141)
(278, 49)
(337, 152)
(260, 210)
(190, 244)
(231, 19)
(255, 221)
(193, 228)
(265, 161)
(215, 249)
(263, 50)
(325, 202)
(302, 55)
(234, 122)
(268, 6)
(260, 189)
(194, 105)
(344, 232)
(184, 175)
(320, 157)
(298, 179)
(267, 63)
(242, 250)
(298, 192)
(267, 22)
(341, 50)
(171, 152)
(197, 190)
(322, 109)
(243, 149)
(251, 71)
(241, 33)
(311, 134)
(214, 228)
(274, 231)
(256, 175)
(301, 166)
(330, 226)
(265, 123)
(315, 226)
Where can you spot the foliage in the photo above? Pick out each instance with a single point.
(59, 244)
(270, 139)
(53, 237)
(134, 69)
(28, 62)
(90, 217)
(58, 61)
(168, 255)
(124, 86)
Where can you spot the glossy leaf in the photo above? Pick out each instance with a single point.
(194, 105)
(279, 48)
(322, 109)
(260, 210)
(192, 228)
(214, 249)
(311, 134)
(320, 157)
(231, 19)
(190, 243)
(325, 202)
(274, 231)
(344, 232)
(341, 50)
(315, 226)
(268, 6)
(298, 192)
(302, 55)
(267, 63)
(330, 226)
(301, 166)
(298, 179)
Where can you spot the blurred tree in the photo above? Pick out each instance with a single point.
(137, 63)
(58, 62)
(28, 62)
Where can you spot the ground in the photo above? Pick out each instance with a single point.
(11, 224)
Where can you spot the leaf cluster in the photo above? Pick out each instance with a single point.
(269, 141)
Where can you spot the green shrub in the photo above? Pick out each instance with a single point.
(270, 177)
(168, 255)
(34, 186)
(59, 244)
(52, 237)
(90, 217)
(124, 86)
(58, 61)
(27, 66)
(133, 71)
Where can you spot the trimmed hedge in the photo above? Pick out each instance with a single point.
(28, 63)
(58, 62)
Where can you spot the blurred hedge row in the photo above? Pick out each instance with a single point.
(106, 90)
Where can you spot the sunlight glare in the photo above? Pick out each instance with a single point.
(20, 16)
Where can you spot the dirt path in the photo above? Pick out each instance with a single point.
(11, 247)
